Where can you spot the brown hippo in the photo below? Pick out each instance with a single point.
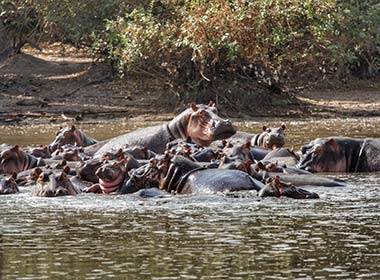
(9, 186)
(15, 160)
(200, 122)
(276, 188)
(42, 152)
(71, 136)
(111, 176)
(51, 185)
(270, 137)
(341, 154)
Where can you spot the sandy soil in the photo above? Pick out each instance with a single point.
(60, 83)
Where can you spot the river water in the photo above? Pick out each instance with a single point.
(214, 236)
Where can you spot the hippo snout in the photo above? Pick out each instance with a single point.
(223, 129)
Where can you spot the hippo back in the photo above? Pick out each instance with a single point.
(218, 180)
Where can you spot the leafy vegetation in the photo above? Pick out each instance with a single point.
(197, 43)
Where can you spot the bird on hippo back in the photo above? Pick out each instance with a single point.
(199, 122)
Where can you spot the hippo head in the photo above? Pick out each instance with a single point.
(13, 160)
(9, 186)
(323, 155)
(86, 170)
(146, 176)
(42, 152)
(273, 137)
(111, 175)
(276, 188)
(66, 136)
(72, 155)
(51, 185)
(205, 126)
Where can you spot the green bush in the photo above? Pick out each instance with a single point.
(197, 42)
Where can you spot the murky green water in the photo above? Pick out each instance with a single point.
(195, 237)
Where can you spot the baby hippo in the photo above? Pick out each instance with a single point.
(9, 186)
(111, 177)
(270, 138)
(277, 188)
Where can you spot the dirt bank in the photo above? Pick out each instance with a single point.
(60, 82)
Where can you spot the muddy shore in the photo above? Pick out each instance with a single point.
(61, 84)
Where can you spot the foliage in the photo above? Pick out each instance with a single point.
(198, 42)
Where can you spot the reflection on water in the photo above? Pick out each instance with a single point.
(196, 237)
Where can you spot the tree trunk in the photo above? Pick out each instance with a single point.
(5, 45)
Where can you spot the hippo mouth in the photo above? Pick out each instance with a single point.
(108, 186)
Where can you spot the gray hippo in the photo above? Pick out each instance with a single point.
(200, 122)
(9, 185)
(180, 175)
(270, 138)
(71, 136)
(15, 160)
(277, 188)
(341, 154)
(52, 185)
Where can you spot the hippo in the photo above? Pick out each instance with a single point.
(9, 186)
(15, 160)
(270, 137)
(42, 152)
(51, 185)
(276, 188)
(71, 136)
(217, 180)
(69, 153)
(200, 122)
(282, 157)
(341, 154)
(111, 177)
(180, 175)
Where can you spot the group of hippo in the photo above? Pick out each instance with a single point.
(196, 152)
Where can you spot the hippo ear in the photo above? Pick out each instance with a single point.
(224, 143)
(260, 166)
(333, 144)
(277, 180)
(194, 106)
(66, 169)
(76, 152)
(73, 128)
(63, 162)
(283, 126)
(15, 148)
(264, 128)
(211, 103)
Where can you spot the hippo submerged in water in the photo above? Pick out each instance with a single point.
(200, 122)
(341, 154)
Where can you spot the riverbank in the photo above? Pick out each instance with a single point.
(59, 84)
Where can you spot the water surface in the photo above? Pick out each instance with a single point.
(215, 236)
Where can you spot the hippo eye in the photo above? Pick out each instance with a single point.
(6, 155)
